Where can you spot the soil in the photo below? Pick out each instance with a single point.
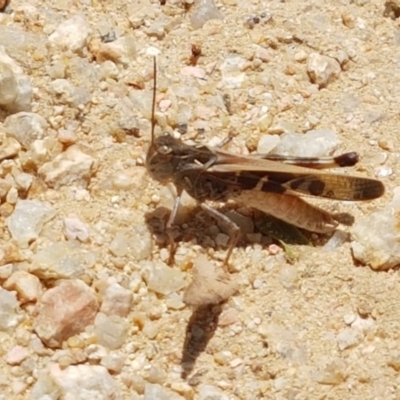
(319, 326)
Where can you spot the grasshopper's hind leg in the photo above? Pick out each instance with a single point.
(232, 228)
(291, 209)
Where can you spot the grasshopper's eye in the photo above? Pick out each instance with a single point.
(164, 150)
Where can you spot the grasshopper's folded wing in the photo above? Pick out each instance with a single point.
(271, 176)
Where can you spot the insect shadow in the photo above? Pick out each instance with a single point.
(273, 230)
(200, 329)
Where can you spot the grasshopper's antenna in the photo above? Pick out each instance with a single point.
(153, 108)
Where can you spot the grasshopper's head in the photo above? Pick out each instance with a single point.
(161, 160)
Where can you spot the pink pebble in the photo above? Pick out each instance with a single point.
(16, 355)
(194, 71)
(274, 249)
(164, 105)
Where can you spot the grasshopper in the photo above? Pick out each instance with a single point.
(269, 183)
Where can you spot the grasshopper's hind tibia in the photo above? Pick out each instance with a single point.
(288, 208)
(227, 223)
(343, 160)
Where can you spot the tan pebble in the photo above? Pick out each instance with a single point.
(135, 80)
(66, 136)
(121, 51)
(394, 362)
(210, 285)
(23, 181)
(79, 356)
(223, 357)
(289, 70)
(6, 209)
(257, 283)
(236, 362)
(349, 318)
(263, 54)
(364, 310)
(18, 386)
(9, 253)
(116, 301)
(332, 374)
(9, 148)
(322, 69)
(65, 361)
(95, 352)
(174, 302)
(252, 142)
(154, 312)
(76, 342)
(156, 375)
(305, 93)
(348, 20)
(369, 349)
(204, 113)
(370, 99)
(134, 381)
(69, 167)
(151, 329)
(28, 286)
(228, 317)
(300, 56)
(385, 144)
(6, 270)
(184, 389)
(91, 340)
(265, 122)
(4, 187)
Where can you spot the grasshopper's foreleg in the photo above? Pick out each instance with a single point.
(170, 223)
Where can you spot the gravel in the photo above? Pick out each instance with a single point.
(89, 308)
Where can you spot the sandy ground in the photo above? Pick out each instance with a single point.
(321, 327)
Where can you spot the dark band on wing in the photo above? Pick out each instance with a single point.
(340, 187)
(314, 186)
(332, 186)
(255, 181)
